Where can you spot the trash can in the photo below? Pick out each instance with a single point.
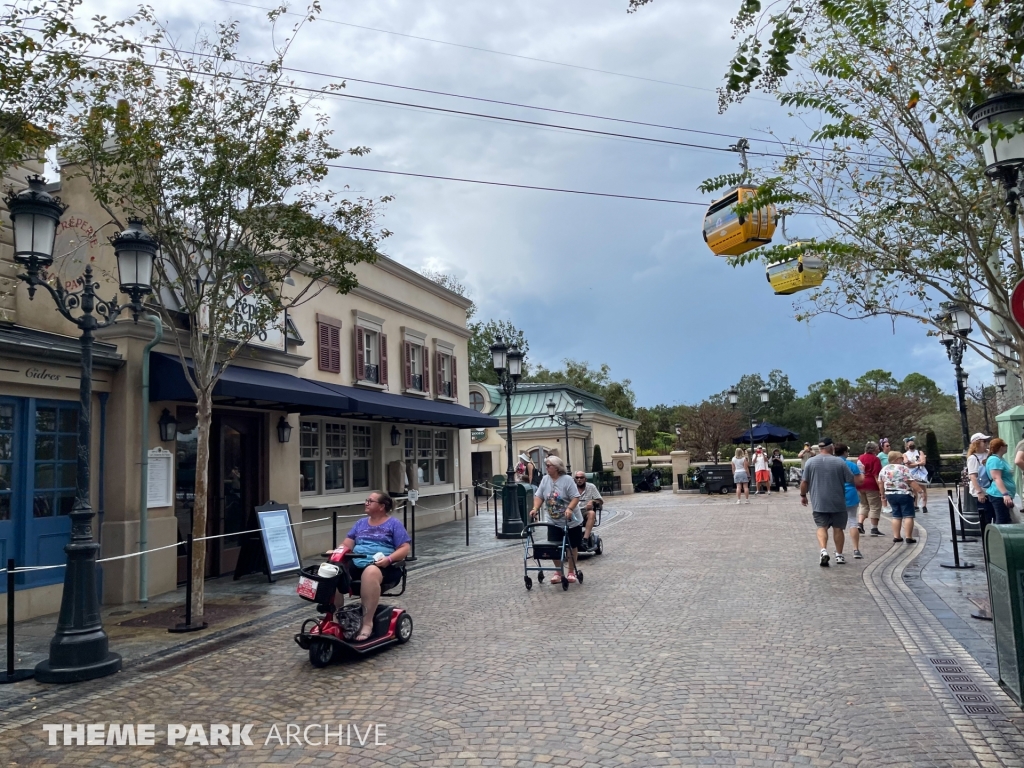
(717, 478)
(516, 503)
(1005, 547)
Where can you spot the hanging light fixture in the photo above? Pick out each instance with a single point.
(284, 430)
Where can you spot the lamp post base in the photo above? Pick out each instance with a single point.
(16, 676)
(48, 674)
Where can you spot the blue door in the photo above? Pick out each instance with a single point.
(10, 414)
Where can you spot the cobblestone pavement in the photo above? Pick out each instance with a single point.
(706, 634)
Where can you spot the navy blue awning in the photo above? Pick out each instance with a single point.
(416, 410)
(244, 386)
(257, 388)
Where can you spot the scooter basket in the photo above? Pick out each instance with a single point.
(320, 589)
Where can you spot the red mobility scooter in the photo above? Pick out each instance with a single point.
(333, 634)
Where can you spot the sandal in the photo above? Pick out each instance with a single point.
(555, 578)
(364, 635)
(571, 577)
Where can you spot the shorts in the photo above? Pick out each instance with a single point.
(575, 536)
(851, 515)
(832, 519)
(392, 576)
(763, 476)
(871, 504)
(740, 477)
(902, 505)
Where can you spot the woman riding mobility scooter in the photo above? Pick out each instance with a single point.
(369, 563)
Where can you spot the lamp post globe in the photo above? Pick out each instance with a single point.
(551, 408)
(764, 393)
(733, 395)
(499, 352)
(1003, 149)
(579, 408)
(135, 250)
(618, 433)
(35, 214)
(1000, 378)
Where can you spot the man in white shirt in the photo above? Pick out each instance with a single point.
(590, 498)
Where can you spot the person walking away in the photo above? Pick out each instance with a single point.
(805, 455)
(900, 491)
(870, 495)
(977, 453)
(779, 470)
(1002, 481)
(915, 460)
(852, 497)
(741, 475)
(825, 479)
(762, 472)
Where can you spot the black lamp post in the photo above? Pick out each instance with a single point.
(508, 364)
(79, 648)
(956, 324)
(618, 433)
(565, 419)
(734, 398)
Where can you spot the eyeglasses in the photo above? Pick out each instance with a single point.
(581, 477)
(373, 501)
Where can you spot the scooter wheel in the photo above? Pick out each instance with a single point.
(528, 582)
(600, 547)
(565, 584)
(321, 653)
(403, 630)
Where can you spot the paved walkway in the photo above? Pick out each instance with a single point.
(706, 634)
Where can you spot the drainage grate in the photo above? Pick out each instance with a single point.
(967, 693)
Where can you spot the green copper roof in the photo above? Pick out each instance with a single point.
(532, 399)
(544, 422)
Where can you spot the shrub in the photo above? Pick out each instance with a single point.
(598, 460)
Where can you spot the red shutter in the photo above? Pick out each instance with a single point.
(383, 358)
(407, 353)
(323, 332)
(426, 369)
(360, 355)
(455, 379)
(440, 373)
(328, 348)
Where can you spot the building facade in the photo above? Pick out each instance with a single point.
(372, 386)
(536, 434)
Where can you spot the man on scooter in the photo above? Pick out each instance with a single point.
(590, 498)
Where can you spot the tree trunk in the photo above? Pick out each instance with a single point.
(198, 564)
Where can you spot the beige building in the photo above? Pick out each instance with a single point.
(536, 434)
(373, 385)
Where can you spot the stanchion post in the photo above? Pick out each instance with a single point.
(12, 675)
(412, 533)
(960, 510)
(188, 626)
(466, 515)
(334, 529)
(956, 550)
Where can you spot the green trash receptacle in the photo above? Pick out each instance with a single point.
(1005, 547)
(516, 503)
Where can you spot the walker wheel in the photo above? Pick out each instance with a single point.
(579, 576)
(529, 583)
(565, 584)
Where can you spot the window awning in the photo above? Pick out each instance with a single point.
(244, 386)
(385, 406)
(256, 388)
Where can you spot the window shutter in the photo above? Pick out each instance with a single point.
(407, 352)
(360, 355)
(455, 379)
(383, 359)
(323, 332)
(440, 373)
(426, 369)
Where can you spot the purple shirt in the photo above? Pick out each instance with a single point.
(389, 535)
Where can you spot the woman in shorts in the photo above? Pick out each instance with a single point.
(741, 475)
(560, 498)
(900, 491)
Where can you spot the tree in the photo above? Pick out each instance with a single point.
(227, 167)
(598, 466)
(482, 335)
(617, 395)
(47, 59)
(708, 428)
(893, 171)
(450, 282)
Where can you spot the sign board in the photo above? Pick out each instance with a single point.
(159, 483)
(1017, 303)
(413, 496)
(478, 435)
(247, 320)
(278, 538)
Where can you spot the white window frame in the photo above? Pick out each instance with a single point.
(350, 451)
(418, 351)
(373, 338)
(436, 449)
(446, 351)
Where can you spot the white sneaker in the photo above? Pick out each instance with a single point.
(737, 501)
(840, 560)
(824, 558)
(769, 493)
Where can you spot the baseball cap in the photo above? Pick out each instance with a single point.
(979, 436)
(824, 441)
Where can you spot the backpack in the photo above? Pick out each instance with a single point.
(984, 478)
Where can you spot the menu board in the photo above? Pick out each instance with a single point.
(278, 538)
(159, 490)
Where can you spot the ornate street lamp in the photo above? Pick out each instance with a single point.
(764, 394)
(508, 364)
(955, 317)
(734, 396)
(618, 433)
(1003, 146)
(565, 419)
(819, 423)
(79, 649)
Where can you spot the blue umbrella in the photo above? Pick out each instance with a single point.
(766, 433)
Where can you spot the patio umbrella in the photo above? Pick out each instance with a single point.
(766, 433)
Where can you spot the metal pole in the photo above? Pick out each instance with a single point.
(188, 626)
(12, 675)
(158, 336)
(465, 507)
(510, 473)
(568, 463)
(412, 535)
(964, 430)
(956, 564)
(334, 529)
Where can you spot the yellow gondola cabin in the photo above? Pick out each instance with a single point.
(799, 274)
(730, 235)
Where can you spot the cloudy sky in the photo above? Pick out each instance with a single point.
(625, 282)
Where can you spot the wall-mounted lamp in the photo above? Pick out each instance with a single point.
(396, 436)
(284, 430)
(168, 426)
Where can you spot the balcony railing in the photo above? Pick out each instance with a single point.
(417, 382)
(371, 373)
(446, 388)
